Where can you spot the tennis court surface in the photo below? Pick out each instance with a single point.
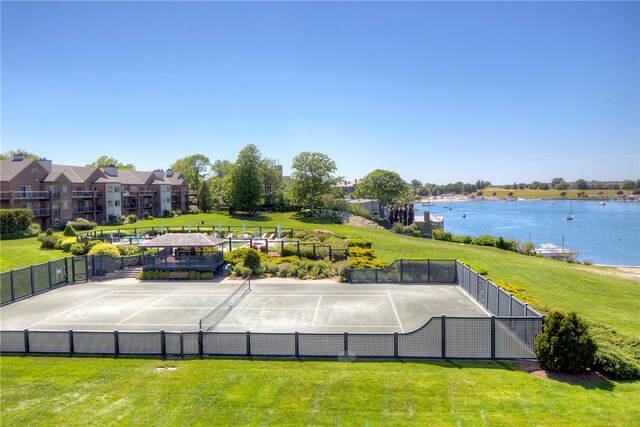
(129, 305)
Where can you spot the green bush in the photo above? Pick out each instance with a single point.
(618, 355)
(105, 249)
(132, 219)
(440, 234)
(82, 224)
(146, 215)
(49, 232)
(78, 249)
(358, 252)
(241, 271)
(14, 220)
(360, 243)
(48, 242)
(252, 260)
(341, 268)
(129, 250)
(284, 270)
(69, 231)
(91, 243)
(565, 344)
(65, 244)
(484, 240)
(462, 239)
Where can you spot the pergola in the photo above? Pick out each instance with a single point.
(184, 251)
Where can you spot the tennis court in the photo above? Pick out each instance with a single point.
(130, 305)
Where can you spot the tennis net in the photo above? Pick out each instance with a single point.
(214, 317)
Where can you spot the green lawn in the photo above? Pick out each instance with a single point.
(608, 299)
(93, 391)
(549, 194)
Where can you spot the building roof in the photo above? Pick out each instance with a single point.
(9, 169)
(432, 218)
(75, 174)
(182, 240)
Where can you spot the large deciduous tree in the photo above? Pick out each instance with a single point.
(271, 180)
(205, 202)
(245, 192)
(385, 186)
(104, 161)
(312, 178)
(9, 154)
(194, 169)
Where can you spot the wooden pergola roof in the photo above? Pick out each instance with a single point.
(185, 240)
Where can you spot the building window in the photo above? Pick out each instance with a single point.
(117, 202)
(65, 204)
(65, 189)
(116, 188)
(35, 171)
(52, 188)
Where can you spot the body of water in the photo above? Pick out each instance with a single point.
(608, 234)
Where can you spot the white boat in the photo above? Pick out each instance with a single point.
(570, 216)
(550, 250)
(602, 204)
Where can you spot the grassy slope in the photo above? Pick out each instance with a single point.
(549, 194)
(608, 299)
(87, 391)
(23, 252)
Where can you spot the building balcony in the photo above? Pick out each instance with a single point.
(40, 212)
(31, 195)
(5, 195)
(85, 194)
(130, 206)
(129, 193)
(84, 209)
(147, 192)
(146, 205)
(175, 202)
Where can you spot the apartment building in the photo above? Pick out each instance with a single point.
(59, 193)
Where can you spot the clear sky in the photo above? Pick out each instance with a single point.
(438, 91)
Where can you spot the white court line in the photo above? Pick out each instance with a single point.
(71, 309)
(247, 325)
(259, 294)
(394, 310)
(142, 309)
(112, 324)
(273, 308)
(474, 301)
(317, 309)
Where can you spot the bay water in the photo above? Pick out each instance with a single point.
(608, 234)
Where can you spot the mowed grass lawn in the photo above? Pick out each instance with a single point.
(120, 392)
(605, 298)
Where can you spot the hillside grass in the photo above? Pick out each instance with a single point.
(549, 194)
(608, 299)
(41, 391)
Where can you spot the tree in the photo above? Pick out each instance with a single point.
(244, 181)
(627, 184)
(9, 154)
(205, 204)
(312, 178)
(416, 184)
(544, 186)
(105, 161)
(194, 169)
(271, 180)
(218, 188)
(385, 186)
(559, 184)
(581, 184)
(221, 168)
(534, 185)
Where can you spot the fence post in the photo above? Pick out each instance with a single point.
(298, 243)
(510, 305)
(346, 343)
(71, 346)
(428, 271)
(455, 272)
(116, 342)
(443, 332)
(349, 276)
(493, 337)
(13, 291)
(49, 267)
(476, 276)
(26, 341)
(330, 254)
(73, 270)
(297, 345)
(200, 343)
(163, 343)
(401, 271)
(314, 250)
(526, 306)
(395, 345)
(33, 288)
(497, 300)
(248, 343)
(86, 267)
(182, 344)
(66, 270)
(375, 271)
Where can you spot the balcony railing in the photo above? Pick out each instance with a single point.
(147, 192)
(40, 212)
(5, 195)
(146, 205)
(86, 194)
(31, 195)
(130, 205)
(81, 209)
(127, 193)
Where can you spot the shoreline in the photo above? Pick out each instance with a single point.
(456, 199)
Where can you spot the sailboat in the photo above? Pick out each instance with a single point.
(570, 216)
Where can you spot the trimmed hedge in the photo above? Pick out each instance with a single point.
(105, 249)
(13, 220)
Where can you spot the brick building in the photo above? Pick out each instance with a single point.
(59, 193)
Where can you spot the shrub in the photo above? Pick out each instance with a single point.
(284, 270)
(241, 271)
(69, 231)
(618, 355)
(48, 241)
(341, 268)
(462, 239)
(485, 240)
(319, 270)
(78, 249)
(357, 252)
(252, 260)
(13, 220)
(132, 219)
(105, 249)
(49, 232)
(176, 213)
(82, 224)
(91, 243)
(146, 215)
(440, 234)
(565, 344)
(65, 244)
(166, 213)
(129, 250)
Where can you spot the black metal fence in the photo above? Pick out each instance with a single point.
(441, 337)
(35, 279)
(408, 271)
(223, 231)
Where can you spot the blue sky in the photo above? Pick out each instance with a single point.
(504, 91)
